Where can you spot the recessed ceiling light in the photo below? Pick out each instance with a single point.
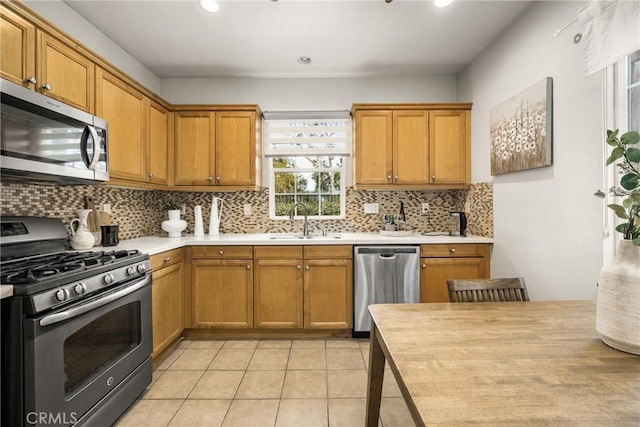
(304, 60)
(210, 5)
(443, 3)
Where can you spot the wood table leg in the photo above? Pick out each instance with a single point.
(376, 377)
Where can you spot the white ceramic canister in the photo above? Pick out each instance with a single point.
(81, 237)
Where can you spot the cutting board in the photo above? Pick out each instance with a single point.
(105, 218)
(93, 221)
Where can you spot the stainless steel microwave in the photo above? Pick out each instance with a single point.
(44, 139)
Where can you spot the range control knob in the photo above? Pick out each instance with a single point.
(141, 268)
(108, 279)
(80, 288)
(61, 295)
(131, 270)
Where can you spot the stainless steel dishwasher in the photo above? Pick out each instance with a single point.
(383, 275)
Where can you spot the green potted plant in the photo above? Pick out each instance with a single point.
(628, 158)
(172, 203)
(389, 220)
(618, 310)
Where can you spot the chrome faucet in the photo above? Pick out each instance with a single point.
(305, 228)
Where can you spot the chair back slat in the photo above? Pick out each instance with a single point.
(487, 290)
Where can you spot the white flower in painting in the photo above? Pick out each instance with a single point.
(512, 146)
(505, 155)
(503, 146)
(498, 139)
(519, 139)
(539, 119)
(518, 148)
(527, 146)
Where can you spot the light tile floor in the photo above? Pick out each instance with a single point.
(251, 383)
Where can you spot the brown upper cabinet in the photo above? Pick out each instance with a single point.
(138, 132)
(412, 146)
(218, 149)
(37, 60)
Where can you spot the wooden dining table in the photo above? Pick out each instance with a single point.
(506, 363)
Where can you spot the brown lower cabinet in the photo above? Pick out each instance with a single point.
(442, 262)
(167, 299)
(222, 287)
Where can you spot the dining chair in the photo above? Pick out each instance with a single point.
(487, 290)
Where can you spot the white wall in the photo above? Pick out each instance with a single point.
(309, 94)
(69, 21)
(547, 224)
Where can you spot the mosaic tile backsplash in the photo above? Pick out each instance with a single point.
(140, 212)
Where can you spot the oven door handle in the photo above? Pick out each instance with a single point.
(77, 311)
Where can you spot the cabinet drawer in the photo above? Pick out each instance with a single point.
(166, 259)
(277, 252)
(454, 250)
(221, 252)
(328, 251)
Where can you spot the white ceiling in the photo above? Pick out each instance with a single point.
(264, 38)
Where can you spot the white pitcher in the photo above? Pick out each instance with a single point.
(214, 218)
(81, 237)
(198, 229)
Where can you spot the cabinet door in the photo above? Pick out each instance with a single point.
(65, 74)
(157, 143)
(235, 148)
(410, 147)
(167, 306)
(17, 48)
(194, 148)
(328, 294)
(278, 293)
(449, 147)
(436, 271)
(124, 108)
(373, 151)
(222, 293)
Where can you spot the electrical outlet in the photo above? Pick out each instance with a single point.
(425, 209)
(247, 209)
(106, 208)
(371, 208)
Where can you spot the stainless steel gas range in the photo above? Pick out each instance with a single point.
(76, 335)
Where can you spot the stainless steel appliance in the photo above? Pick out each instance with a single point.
(44, 139)
(383, 275)
(458, 224)
(76, 335)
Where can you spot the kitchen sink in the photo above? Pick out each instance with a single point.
(301, 237)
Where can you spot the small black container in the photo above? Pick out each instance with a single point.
(109, 235)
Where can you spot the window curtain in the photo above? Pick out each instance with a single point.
(610, 31)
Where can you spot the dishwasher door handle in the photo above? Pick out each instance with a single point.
(387, 257)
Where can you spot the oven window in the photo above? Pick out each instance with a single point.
(100, 343)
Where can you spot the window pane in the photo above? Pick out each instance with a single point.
(284, 204)
(310, 202)
(284, 162)
(634, 68)
(284, 182)
(305, 183)
(330, 205)
(634, 109)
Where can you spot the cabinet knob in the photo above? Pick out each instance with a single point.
(424, 265)
(46, 87)
(388, 177)
(453, 250)
(32, 80)
(433, 177)
(221, 253)
(210, 179)
(248, 267)
(150, 175)
(397, 177)
(217, 178)
(167, 259)
(306, 267)
(298, 267)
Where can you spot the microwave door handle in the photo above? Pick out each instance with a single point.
(77, 311)
(90, 130)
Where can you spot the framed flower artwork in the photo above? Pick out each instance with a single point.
(522, 130)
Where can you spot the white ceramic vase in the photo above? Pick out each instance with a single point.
(81, 237)
(174, 225)
(618, 306)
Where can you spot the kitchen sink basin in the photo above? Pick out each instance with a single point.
(301, 237)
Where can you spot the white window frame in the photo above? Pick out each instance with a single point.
(275, 149)
(616, 96)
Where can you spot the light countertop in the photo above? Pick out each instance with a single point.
(156, 244)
